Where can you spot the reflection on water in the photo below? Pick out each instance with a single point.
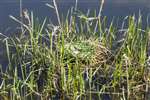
(116, 8)
(119, 8)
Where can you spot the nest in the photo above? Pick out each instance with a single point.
(101, 55)
(89, 53)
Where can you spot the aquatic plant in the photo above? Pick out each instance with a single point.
(81, 58)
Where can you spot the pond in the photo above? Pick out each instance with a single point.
(118, 9)
(113, 9)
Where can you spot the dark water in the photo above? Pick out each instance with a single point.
(117, 8)
(112, 8)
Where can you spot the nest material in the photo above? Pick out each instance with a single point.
(93, 53)
(102, 55)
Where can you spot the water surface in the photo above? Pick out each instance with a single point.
(117, 8)
(112, 8)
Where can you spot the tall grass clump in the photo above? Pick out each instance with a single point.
(79, 59)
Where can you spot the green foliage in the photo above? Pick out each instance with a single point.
(76, 62)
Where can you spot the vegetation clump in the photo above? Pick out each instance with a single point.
(72, 62)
